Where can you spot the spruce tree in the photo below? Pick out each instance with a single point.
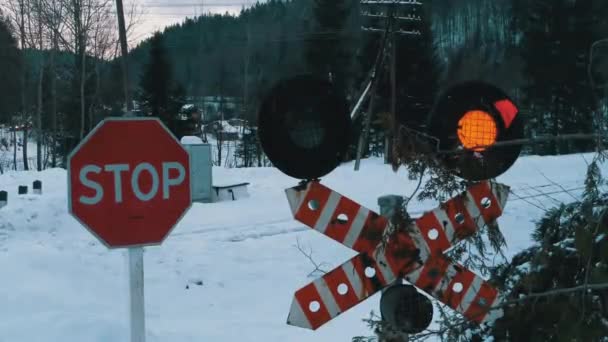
(160, 96)
(10, 73)
(557, 289)
(328, 50)
(417, 73)
(556, 43)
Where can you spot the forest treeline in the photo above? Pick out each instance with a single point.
(61, 73)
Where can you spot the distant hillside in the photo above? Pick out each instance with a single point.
(237, 55)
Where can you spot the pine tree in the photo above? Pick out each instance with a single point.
(328, 50)
(10, 72)
(556, 289)
(160, 96)
(557, 38)
(417, 74)
(571, 251)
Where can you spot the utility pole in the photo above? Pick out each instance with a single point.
(375, 76)
(246, 72)
(388, 139)
(382, 9)
(122, 35)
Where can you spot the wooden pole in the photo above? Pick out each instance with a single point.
(122, 33)
(378, 67)
(367, 125)
(389, 133)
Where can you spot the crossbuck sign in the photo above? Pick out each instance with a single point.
(416, 255)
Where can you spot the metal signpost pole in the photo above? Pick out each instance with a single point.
(136, 294)
(389, 205)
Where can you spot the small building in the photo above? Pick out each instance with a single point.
(216, 107)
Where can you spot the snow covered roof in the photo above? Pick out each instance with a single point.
(191, 140)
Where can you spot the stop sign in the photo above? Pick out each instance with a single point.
(129, 182)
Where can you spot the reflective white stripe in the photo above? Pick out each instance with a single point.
(326, 297)
(328, 212)
(471, 294)
(354, 279)
(495, 313)
(356, 227)
(501, 193)
(385, 268)
(445, 224)
(450, 273)
(473, 210)
(413, 276)
(296, 198)
(297, 317)
(420, 242)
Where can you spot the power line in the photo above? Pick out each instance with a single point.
(194, 4)
(549, 193)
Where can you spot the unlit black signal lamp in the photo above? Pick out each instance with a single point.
(305, 127)
(405, 310)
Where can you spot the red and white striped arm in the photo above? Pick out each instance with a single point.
(341, 289)
(361, 229)
(444, 227)
(462, 216)
(337, 216)
(458, 288)
(354, 281)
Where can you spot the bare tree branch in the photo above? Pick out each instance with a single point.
(319, 268)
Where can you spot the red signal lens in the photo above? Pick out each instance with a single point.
(507, 110)
(477, 130)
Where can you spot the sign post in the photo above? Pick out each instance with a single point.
(136, 294)
(129, 185)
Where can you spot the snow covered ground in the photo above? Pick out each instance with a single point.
(228, 271)
(6, 151)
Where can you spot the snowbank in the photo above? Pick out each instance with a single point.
(228, 271)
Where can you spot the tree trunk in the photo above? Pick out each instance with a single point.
(95, 98)
(39, 118)
(39, 104)
(54, 102)
(14, 145)
(23, 104)
(555, 123)
(83, 77)
(258, 152)
(219, 147)
(26, 166)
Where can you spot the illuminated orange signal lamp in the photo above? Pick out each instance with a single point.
(477, 130)
(470, 120)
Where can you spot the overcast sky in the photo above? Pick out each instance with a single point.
(160, 13)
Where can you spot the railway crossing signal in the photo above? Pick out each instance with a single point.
(305, 129)
(416, 255)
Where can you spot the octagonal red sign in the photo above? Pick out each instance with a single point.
(129, 182)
